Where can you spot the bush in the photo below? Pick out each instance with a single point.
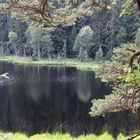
(34, 57)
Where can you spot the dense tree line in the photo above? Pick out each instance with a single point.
(93, 35)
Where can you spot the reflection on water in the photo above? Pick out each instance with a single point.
(50, 99)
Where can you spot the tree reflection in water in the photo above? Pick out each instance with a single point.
(53, 99)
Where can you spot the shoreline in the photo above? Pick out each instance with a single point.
(27, 61)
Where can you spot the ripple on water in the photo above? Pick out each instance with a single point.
(10, 81)
(65, 79)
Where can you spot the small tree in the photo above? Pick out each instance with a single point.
(39, 39)
(64, 49)
(84, 42)
(34, 34)
(47, 43)
(13, 38)
(121, 36)
(99, 54)
(1, 49)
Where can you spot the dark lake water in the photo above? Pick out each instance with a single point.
(53, 99)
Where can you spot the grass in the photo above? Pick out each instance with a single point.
(90, 65)
(19, 136)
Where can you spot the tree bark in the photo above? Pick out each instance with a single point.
(138, 3)
(65, 48)
(135, 54)
(38, 50)
(24, 51)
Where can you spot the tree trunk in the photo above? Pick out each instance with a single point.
(134, 55)
(24, 51)
(65, 48)
(49, 55)
(16, 52)
(112, 29)
(138, 3)
(38, 50)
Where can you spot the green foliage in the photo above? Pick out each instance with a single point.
(99, 54)
(1, 50)
(110, 71)
(83, 42)
(109, 32)
(83, 56)
(39, 39)
(126, 83)
(12, 36)
(137, 39)
(132, 78)
(123, 53)
(4, 27)
(13, 39)
(121, 36)
(128, 7)
(47, 43)
(34, 57)
(101, 106)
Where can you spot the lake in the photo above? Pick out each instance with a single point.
(54, 99)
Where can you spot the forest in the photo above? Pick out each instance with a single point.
(93, 37)
(51, 50)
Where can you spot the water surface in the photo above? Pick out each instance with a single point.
(52, 99)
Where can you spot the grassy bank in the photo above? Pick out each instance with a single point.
(91, 65)
(18, 136)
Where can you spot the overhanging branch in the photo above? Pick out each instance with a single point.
(134, 55)
(49, 15)
(138, 3)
